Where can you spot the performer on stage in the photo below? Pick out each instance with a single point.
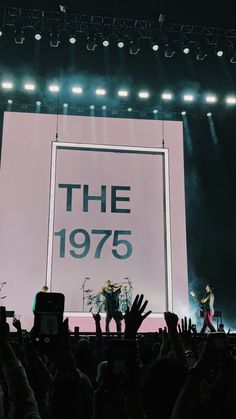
(111, 294)
(207, 303)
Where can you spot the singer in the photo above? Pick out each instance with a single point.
(207, 304)
(111, 294)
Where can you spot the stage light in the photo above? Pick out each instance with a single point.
(1, 33)
(38, 103)
(233, 57)
(29, 86)
(183, 113)
(54, 39)
(155, 111)
(91, 42)
(19, 36)
(230, 100)
(65, 105)
(130, 109)
(201, 53)
(185, 48)
(72, 39)
(211, 99)
(120, 43)
(77, 89)
(188, 98)
(166, 96)
(219, 47)
(209, 114)
(37, 35)
(105, 41)
(155, 46)
(134, 47)
(123, 93)
(143, 95)
(92, 107)
(7, 85)
(219, 52)
(100, 92)
(170, 51)
(10, 101)
(104, 107)
(54, 88)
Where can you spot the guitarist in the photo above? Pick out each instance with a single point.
(207, 303)
(111, 294)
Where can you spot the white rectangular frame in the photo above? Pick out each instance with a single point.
(166, 199)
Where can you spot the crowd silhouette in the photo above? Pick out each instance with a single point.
(175, 373)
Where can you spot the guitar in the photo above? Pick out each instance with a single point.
(197, 299)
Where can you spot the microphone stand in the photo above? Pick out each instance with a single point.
(83, 293)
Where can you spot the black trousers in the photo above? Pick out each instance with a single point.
(111, 315)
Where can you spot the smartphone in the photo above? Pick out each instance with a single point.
(122, 359)
(48, 316)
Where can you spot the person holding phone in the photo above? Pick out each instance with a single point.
(111, 294)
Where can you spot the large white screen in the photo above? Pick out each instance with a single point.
(24, 210)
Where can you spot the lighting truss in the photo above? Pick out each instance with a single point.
(44, 21)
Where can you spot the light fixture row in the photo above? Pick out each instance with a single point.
(171, 47)
(143, 94)
(103, 108)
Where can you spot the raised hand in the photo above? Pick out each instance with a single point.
(17, 324)
(171, 320)
(134, 316)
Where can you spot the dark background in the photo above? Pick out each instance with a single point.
(210, 181)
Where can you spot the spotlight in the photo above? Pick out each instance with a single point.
(211, 99)
(219, 52)
(1, 33)
(188, 98)
(76, 89)
(231, 100)
(100, 92)
(183, 113)
(219, 48)
(10, 101)
(54, 39)
(38, 103)
(185, 48)
(209, 114)
(92, 107)
(155, 111)
(143, 95)
(170, 51)
(65, 105)
(104, 107)
(37, 35)
(91, 42)
(72, 39)
(123, 93)
(105, 41)
(129, 109)
(7, 85)
(166, 96)
(201, 53)
(120, 43)
(29, 86)
(155, 46)
(19, 36)
(233, 57)
(134, 47)
(54, 88)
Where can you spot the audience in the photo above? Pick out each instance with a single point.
(174, 373)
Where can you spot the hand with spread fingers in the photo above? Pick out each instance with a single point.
(134, 316)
